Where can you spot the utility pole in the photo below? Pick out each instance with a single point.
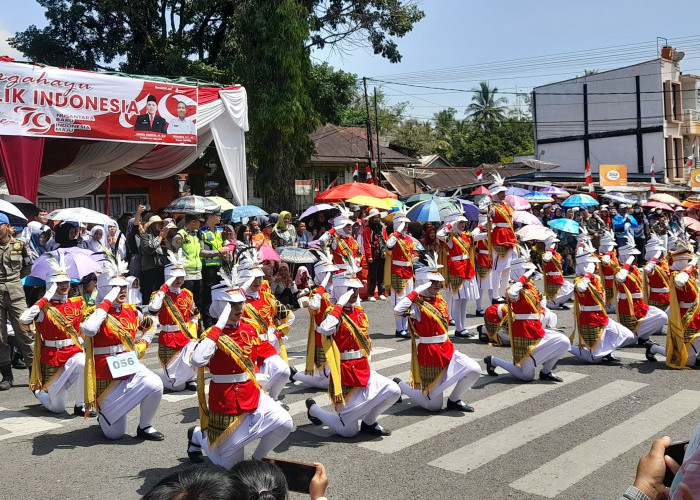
(376, 126)
(368, 125)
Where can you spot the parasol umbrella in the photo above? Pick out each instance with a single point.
(478, 198)
(516, 191)
(193, 204)
(555, 191)
(518, 202)
(243, 211)
(431, 211)
(295, 255)
(369, 201)
(471, 211)
(619, 198)
(415, 198)
(13, 213)
(526, 218)
(580, 200)
(665, 198)
(691, 224)
(687, 203)
(536, 197)
(266, 252)
(79, 214)
(619, 221)
(25, 206)
(658, 204)
(80, 262)
(566, 225)
(321, 207)
(344, 192)
(480, 190)
(534, 232)
(223, 203)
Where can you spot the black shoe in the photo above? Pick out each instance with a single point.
(451, 322)
(459, 406)
(464, 334)
(195, 456)
(375, 430)
(483, 337)
(152, 436)
(479, 313)
(498, 300)
(403, 334)
(490, 368)
(292, 372)
(610, 358)
(564, 307)
(79, 411)
(641, 342)
(7, 378)
(18, 363)
(191, 386)
(550, 377)
(647, 346)
(314, 420)
(397, 381)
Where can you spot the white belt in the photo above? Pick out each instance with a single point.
(58, 344)
(686, 305)
(659, 290)
(554, 273)
(523, 317)
(502, 224)
(263, 337)
(437, 339)
(170, 328)
(460, 257)
(401, 263)
(623, 296)
(348, 355)
(485, 252)
(589, 308)
(110, 349)
(233, 378)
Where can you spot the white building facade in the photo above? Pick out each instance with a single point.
(625, 116)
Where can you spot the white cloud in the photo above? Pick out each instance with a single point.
(5, 49)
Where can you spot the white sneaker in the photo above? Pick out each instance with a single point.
(382, 297)
(371, 299)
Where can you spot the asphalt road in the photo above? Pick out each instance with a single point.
(577, 439)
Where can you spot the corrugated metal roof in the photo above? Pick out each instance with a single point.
(348, 145)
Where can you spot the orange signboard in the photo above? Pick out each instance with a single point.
(613, 175)
(695, 178)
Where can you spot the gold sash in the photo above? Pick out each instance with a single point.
(631, 320)
(676, 350)
(418, 379)
(344, 247)
(177, 316)
(588, 336)
(522, 346)
(311, 340)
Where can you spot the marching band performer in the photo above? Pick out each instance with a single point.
(59, 359)
(179, 326)
(609, 266)
(435, 364)
(115, 380)
(238, 411)
(502, 240)
(400, 247)
(357, 392)
(484, 274)
(557, 290)
(599, 336)
(657, 275)
(344, 246)
(532, 345)
(495, 328)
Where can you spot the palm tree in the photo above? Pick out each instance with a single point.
(486, 108)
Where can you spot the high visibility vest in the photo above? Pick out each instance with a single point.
(213, 240)
(190, 249)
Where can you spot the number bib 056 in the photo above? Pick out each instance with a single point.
(124, 364)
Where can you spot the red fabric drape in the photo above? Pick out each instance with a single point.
(21, 163)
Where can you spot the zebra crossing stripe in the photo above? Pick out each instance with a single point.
(483, 451)
(15, 423)
(432, 426)
(570, 467)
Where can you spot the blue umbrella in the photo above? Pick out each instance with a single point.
(419, 197)
(566, 225)
(580, 200)
(471, 211)
(431, 211)
(243, 211)
(619, 221)
(619, 198)
(535, 197)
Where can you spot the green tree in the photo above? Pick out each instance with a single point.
(416, 136)
(486, 109)
(332, 92)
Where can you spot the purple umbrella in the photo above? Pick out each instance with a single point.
(314, 209)
(471, 211)
(554, 191)
(80, 262)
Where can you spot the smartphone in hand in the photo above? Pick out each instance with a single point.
(676, 451)
(298, 474)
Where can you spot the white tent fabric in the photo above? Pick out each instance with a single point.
(224, 120)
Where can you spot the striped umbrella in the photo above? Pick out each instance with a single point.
(431, 211)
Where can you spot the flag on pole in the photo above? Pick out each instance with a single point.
(355, 177)
(653, 179)
(335, 181)
(691, 158)
(589, 179)
(480, 174)
(317, 189)
(368, 175)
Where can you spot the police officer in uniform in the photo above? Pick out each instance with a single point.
(212, 248)
(13, 258)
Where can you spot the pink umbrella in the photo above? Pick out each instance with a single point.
(266, 252)
(518, 202)
(526, 218)
(691, 224)
(658, 204)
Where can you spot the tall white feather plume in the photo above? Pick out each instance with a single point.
(115, 268)
(629, 240)
(228, 278)
(497, 179)
(432, 260)
(324, 256)
(344, 211)
(177, 259)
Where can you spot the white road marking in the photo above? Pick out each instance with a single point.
(20, 424)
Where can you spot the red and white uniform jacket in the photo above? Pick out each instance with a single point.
(426, 326)
(128, 316)
(402, 262)
(483, 256)
(266, 305)
(340, 250)
(526, 321)
(633, 284)
(686, 296)
(553, 271)
(459, 256)
(171, 335)
(659, 280)
(72, 310)
(353, 372)
(502, 232)
(320, 314)
(591, 313)
(610, 269)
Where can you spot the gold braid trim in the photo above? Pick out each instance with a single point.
(177, 316)
(222, 425)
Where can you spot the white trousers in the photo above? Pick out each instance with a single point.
(462, 371)
(652, 323)
(179, 371)
(565, 293)
(546, 354)
(402, 321)
(270, 423)
(143, 387)
(319, 379)
(614, 336)
(366, 404)
(55, 397)
(692, 352)
(459, 301)
(501, 271)
(278, 372)
(485, 285)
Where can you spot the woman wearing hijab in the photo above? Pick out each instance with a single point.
(133, 291)
(37, 236)
(94, 242)
(115, 240)
(283, 286)
(66, 235)
(284, 234)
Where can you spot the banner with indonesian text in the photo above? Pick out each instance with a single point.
(51, 102)
(612, 175)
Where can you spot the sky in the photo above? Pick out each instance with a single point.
(513, 45)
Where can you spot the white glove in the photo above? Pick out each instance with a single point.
(113, 294)
(515, 289)
(649, 268)
(681, 279)
(326, 279)
(223, 318)
(547, 256)
(29, 315)
(51, 291)
(582, 285)
(605, 259)
(401, 227)
(621, 275)
(345, 298)
(423, 287)
(325, 237)
(476, 232)
(170, 281)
